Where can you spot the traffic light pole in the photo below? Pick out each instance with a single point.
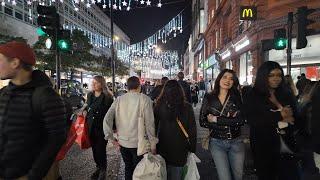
(58, 62)
(112, 52)
(289, 49)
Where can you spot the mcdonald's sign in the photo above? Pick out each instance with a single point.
(248, 13)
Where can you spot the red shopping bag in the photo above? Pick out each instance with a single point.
(72, 135)
(82, 133)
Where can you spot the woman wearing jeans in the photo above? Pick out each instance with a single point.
(173, 146)
(220, 112)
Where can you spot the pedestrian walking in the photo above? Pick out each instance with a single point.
(185, 86)
(98, 102)
(315, 119)
(202, 89)
(220, 112)
(133, 117)
(303, 133)
(32, 116)
(172, 113)
(270, 109)
(157, 90)
(301, 83)
(194, 94)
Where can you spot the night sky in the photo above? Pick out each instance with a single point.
(139, 23)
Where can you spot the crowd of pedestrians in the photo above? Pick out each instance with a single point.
(283, 120)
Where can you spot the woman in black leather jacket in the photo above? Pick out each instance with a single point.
(220, 112)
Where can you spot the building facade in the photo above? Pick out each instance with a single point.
(237, 44)
(196, 46)
(20, 20)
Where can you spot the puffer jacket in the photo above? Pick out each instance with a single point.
(227, 126)
(30, 142)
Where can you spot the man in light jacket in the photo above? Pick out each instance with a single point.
(128, 111)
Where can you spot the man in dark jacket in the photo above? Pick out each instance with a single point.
(315, 119)
(185, 86)
(29, 139)
(157, 90)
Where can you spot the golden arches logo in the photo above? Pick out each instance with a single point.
(247, 13)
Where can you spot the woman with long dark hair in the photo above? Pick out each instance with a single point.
(220, 112)
(98, 102)
(270, 109)
(171, 107)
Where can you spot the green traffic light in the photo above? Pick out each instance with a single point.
(40, 32)
(280, 43)
(63, 45)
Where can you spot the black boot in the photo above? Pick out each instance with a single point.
(102, 174)
(95, 175)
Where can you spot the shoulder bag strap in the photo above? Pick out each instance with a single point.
(183, 129)
(224, 105)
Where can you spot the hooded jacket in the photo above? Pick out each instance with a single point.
(29, 142)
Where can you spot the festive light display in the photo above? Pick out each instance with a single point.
(144, 55)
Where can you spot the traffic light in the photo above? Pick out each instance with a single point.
(280, 39)
(64, 43)
(303, 22)
(48, 20)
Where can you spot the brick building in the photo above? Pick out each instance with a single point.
(231, 43)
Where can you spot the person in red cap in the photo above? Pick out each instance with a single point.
(29, 139)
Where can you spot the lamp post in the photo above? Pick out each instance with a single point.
(113, 63)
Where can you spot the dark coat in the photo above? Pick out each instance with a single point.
(156, 92)
(225, 127)
(173, 145)
(187, 91)
(97, 108)
(315, 120)
(265, 141)
(29, 145)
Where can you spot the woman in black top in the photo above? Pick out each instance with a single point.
(173, 146)
(220, 112)
(99, 101)
(271, 109)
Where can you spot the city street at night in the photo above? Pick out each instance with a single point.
(159, 90)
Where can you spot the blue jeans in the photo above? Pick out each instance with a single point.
(228, 156)
(174, 172)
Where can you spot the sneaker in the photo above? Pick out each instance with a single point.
(95, 175)
(102, 175)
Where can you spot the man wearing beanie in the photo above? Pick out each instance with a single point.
(29, 139)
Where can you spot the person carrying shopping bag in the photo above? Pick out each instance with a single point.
(176, 126)
(98, 102)
(132, 114)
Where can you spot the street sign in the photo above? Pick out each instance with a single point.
(248, 13)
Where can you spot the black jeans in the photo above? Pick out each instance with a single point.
(99, 149)
(130, 158)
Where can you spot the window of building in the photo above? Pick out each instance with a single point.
(18, 15)
(217, 39)
(245, 68)
(202, 21)
(8, 10)
(229, 64)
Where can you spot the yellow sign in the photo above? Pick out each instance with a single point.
(248, 13)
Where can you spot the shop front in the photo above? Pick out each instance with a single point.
(212, 68)
(306, 60)
(245, 68)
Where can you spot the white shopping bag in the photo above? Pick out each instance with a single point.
(151, 167)
(192, 169)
